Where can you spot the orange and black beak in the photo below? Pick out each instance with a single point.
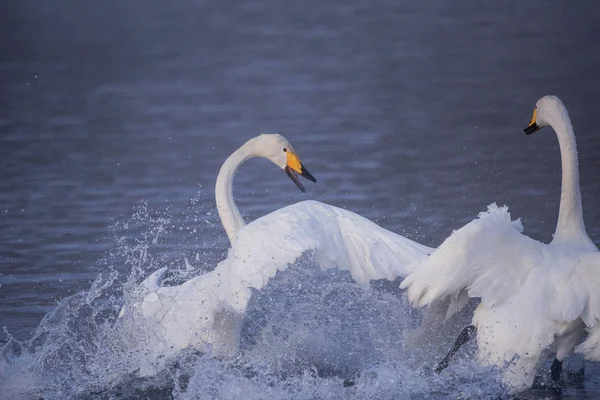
(533, 126)
(294, 167)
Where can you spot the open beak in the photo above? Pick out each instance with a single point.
(533, 126)
(295, 167)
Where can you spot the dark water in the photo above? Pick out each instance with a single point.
(408, 113)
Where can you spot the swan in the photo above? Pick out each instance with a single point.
(205, 312)
(536, 298)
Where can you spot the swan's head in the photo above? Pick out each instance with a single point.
(547, 109)
(278, 150)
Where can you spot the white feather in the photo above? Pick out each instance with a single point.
(536, 298)
(206, 311)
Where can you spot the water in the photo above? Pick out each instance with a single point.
(409, 114)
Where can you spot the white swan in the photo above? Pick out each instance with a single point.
(206, 311)
(536, 298)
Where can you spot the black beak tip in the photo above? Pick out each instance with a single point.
(307, 175)
(294, 177)
(531, 129)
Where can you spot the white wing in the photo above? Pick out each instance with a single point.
(206, 311)
(533, 295)
(485, 256)
(492, 260)
(337, 237)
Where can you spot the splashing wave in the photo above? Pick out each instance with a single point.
(308, 334)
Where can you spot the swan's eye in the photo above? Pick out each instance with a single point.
(284, 149)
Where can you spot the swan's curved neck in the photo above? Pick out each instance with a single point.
(570, 226)
(230, 216)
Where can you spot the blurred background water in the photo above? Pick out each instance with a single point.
(408, 113)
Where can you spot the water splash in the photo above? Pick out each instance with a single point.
(308, 334)
(317, 334)
(76, 348)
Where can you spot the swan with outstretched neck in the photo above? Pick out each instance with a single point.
(205, 313)
(536, 299)
(570, 229)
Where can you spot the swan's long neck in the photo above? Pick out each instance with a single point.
(570, 227)
(230, 216)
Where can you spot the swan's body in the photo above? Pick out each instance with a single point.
(206, 312)
(536, 298)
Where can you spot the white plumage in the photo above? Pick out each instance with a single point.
(536, 298)
(206, 311)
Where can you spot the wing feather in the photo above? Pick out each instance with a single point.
(532, 294)
(337, 237)
(484, 256)
(208, 309)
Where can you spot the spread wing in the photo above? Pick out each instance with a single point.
(336, 237)
(538, 286)
(489, 256)
(208, 309)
